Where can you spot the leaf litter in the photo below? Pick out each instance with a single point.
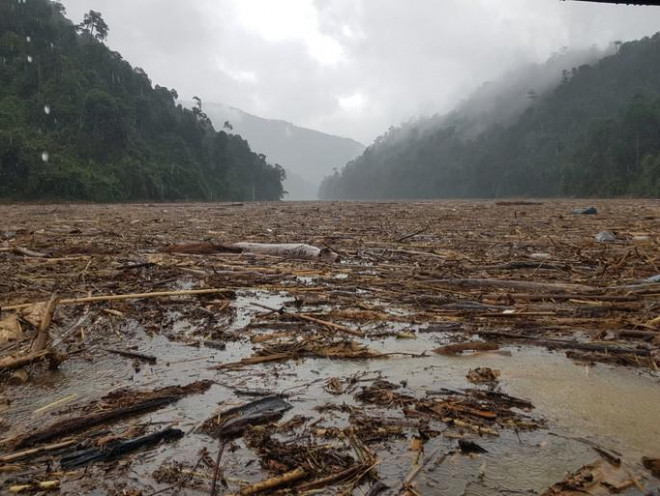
(316, 348)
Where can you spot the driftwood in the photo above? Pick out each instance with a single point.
(132, 296)
(118, 405)
(453, 349)
(73, 425)
(508, 284)
(289, 250)
(12, 363)
(33, 452)
(43, 336)
(568, 344)
(308, 318)
(19, 250)
(233, 422)
(217, 469)
(286, 250)
(50, 485)
(133, 354)
(332, 479)
(117, 449)
(273, 483)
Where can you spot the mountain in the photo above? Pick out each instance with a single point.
(78, 122)
(566, 128)
(305, 154)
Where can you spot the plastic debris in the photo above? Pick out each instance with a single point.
(585, 211)
(605, 237)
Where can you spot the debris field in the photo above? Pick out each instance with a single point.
(392, 348)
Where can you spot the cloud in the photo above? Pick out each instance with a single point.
(350, 67)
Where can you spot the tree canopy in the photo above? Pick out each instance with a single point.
(79, 122)
(94, 25)
(595, 133)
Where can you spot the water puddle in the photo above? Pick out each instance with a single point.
(615, 407)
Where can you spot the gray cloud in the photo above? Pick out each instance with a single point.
(350, 67)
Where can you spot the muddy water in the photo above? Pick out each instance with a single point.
(615, 407)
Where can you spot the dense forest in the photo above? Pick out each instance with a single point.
(596, 132)
(78, 122)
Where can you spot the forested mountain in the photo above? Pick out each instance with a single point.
(594, 133)
(78, 122)
(306, 155)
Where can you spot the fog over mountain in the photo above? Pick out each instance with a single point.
(351, 67)
(305, 154)
(583, 124)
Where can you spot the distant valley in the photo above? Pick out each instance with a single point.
(307, 155)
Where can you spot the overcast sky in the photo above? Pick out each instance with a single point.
(349, 67)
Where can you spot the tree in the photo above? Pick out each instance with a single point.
(94, 24)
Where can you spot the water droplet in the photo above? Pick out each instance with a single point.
(28, 39)
(47, 109)
(45, 156)
(29, 58)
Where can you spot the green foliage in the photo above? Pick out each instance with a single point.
(78, 122)
(595, 134)
(94, 25)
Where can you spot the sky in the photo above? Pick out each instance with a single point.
(350, 67)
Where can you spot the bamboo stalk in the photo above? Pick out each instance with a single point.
(273, 482)
(54, 404)
(11, 363)
(42, 338)
(309, 318)
(132, 296)
(36, 451)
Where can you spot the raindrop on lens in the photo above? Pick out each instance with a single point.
(45, 156)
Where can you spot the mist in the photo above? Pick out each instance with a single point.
(351, 68)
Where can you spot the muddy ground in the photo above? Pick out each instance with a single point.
(463, 347)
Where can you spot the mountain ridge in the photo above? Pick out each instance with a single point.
(593, 133)
(78, 122)
(306, 153)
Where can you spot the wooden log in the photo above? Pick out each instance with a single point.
(332, 479)
(508, 284)
(453, 349)
(32, 452)
(567, 344)
(559, 297)
(289, 250)
(70, 426)
(273, 482)
(13, 363)
(19, 250)
(133, 354)
(42, 338)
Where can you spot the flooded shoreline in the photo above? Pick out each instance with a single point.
(353, 348)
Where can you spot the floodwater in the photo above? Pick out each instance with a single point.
(615, 407)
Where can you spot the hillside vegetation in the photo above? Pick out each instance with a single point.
(594, 133)
(79, 122)
(306, 155)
